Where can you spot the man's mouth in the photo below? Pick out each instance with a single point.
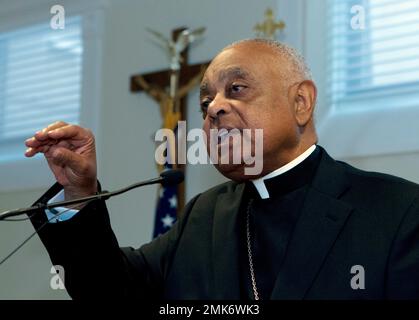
(224, 135)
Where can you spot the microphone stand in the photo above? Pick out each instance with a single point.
(104, 195)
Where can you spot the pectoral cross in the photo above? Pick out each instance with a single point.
(169, 88)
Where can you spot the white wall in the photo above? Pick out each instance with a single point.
(405, 165)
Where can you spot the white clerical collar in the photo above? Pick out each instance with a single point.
(260, 182)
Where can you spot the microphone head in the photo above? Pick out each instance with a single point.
(172, 177)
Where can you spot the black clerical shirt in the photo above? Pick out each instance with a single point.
(272, 221)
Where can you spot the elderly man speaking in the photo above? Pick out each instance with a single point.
(306, 227)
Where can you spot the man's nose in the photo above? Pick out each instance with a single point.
(219, 106)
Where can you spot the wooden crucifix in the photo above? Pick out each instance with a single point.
(169, 88)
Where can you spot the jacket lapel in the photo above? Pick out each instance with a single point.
(322, 217)
(225, 254)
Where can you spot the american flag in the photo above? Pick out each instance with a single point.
(166, 209)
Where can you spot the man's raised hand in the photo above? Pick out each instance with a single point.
(71, 155)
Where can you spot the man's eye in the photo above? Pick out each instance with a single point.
(236, 88)
(205, 104)
(204, 107)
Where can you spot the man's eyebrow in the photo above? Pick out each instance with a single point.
(233, 72)
(203, 88)
(229, 73)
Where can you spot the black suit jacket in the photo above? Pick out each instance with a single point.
(350, 217)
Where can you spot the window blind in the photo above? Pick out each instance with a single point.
(40, 81)
(376, 66)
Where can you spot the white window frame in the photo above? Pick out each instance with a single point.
(354, 133)
(33, 173)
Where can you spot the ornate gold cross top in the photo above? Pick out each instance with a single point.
(267, 29)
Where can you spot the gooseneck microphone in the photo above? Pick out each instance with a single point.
(166, 178)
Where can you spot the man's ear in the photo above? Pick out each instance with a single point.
(305, 96)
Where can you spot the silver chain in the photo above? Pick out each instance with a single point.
(249, 252)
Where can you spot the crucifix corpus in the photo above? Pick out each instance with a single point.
(169, 88)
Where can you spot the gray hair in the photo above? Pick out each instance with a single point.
(298, 64)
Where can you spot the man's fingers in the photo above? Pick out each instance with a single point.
(41, 137)
(37, 147)
(30, 152)
(34, 143)
(43, 134)
(56, 133)
(69, 132)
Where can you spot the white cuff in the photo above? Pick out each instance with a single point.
(52, 213)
